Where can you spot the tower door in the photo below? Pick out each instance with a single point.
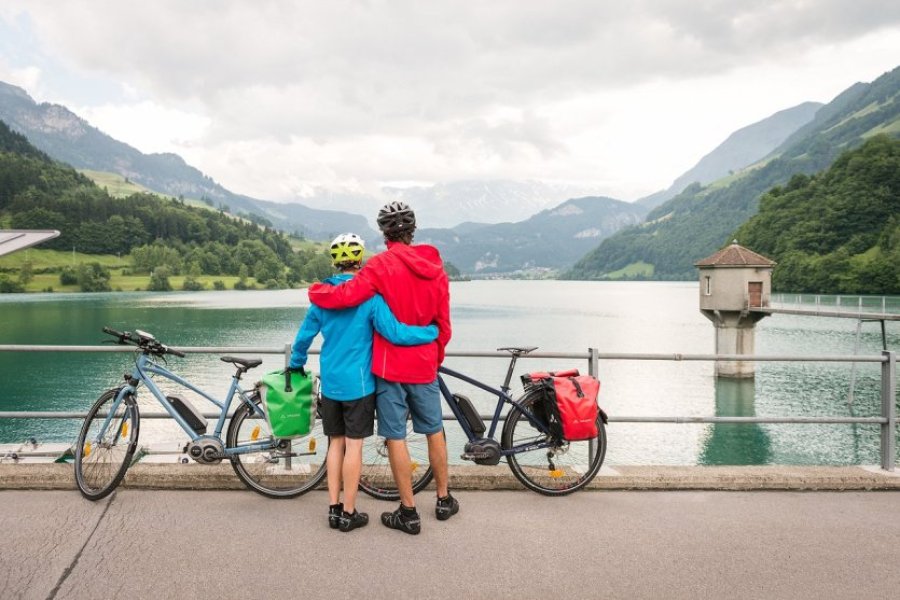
(755, 289)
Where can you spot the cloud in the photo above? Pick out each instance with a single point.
(407, 90)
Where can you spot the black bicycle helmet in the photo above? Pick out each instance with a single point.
(396, 217)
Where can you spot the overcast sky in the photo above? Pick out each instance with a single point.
(271, 98)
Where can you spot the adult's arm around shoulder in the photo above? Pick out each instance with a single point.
(350, 293)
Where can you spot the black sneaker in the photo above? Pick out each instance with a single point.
(405, 519)
(446, 507)
(350, 522)
(334, 514)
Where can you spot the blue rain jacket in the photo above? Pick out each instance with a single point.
(346, 359)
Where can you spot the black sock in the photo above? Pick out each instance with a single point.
(338, 506)
(406, 510)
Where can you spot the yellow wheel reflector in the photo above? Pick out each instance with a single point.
(556, 473)
(87, 449)
(312, 444)
(254, 435)
(413, 466)
(124, 430)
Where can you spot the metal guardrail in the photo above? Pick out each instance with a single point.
(888, 360)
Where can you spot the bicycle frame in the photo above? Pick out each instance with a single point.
(503, 397)
(144, 367)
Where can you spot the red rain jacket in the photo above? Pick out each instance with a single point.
(414, 284)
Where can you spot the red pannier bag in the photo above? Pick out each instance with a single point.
(573, 399)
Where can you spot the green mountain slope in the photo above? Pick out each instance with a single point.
(37, 192)
(837, 231)
(66, 137)
(700, 219)
(551, 239)
(742, 148)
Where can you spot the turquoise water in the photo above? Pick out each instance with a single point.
(634, 317)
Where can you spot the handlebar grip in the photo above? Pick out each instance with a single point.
(177, 353)
(112, 331)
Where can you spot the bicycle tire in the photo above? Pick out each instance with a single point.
(376, 478)
(101, 460)
(562, 469)
(271, 472)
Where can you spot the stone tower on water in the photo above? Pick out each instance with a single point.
(733, 281)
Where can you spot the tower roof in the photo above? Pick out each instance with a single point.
(735, 255)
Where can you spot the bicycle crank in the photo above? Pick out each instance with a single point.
(207, 450)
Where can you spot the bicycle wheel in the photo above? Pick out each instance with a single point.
(559, 469)
(376, 478)
(281, 468)
(104, 449)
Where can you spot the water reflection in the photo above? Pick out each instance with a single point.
(736, 443)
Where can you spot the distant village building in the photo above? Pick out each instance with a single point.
(732, 281)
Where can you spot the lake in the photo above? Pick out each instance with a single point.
(557, 316)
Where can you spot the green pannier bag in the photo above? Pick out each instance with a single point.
(289, 403)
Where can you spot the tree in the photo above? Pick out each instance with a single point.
(93, 277)
(26, 273)
(159, 280)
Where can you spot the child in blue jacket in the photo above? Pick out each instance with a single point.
(347, 406)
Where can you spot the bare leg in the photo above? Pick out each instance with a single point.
(352, 468)
(401, 467)
(437, 456)
(334, 462)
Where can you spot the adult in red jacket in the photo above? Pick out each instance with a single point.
(414, 284)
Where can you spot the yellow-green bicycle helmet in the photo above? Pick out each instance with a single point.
(347, 248)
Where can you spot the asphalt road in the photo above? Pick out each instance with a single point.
(503, 544)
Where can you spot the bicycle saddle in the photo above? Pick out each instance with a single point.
(247, 363)
(518, 350)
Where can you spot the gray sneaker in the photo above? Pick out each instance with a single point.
(446, 507)
(403, 520)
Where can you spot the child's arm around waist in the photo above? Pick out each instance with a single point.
(396, 332)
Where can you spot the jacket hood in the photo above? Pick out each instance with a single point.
(422, 259)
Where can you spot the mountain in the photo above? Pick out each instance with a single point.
(837, 231)
(68, 138)
(742, 148)
(487, 201)
(701, 219)
(551, 239)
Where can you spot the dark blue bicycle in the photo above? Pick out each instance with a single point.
(279, 468)
(530, 445)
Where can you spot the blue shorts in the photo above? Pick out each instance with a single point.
(395, 401)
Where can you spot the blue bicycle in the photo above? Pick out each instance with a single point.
(278, 468)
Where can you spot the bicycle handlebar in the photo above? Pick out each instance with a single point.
(148, 345)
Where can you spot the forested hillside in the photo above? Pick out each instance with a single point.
(837, 231)
(700, 219)
(38, 193)
(66, 137)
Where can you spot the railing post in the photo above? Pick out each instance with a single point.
(888, 409)
(287, 356)
(593, 362)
